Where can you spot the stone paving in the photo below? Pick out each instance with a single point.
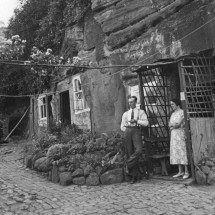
(23, 191)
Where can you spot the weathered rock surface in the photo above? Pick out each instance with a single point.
(200, 177)
(98, 170)
(101, 4)
(92, 179)
(125, 35)
(205, 169)
(79, 181)
(42, 164)
(211, 178)
(77, 173)
(87, 170)
(127, 15)
(209, 163)
(29, 161)
(112, 176)
(55, 174)
(36, 157)
(65, 178)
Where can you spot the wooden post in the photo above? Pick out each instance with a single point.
(17, 124)
(142, 104)
(144, 130)
(183, 98)
(31, 121)
(47, 113)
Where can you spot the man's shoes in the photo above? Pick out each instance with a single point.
(178, 175)
(134, 180)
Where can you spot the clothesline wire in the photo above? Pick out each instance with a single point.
(120, 71)
(67, 66)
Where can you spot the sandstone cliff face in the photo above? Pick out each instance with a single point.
(131, 32)
(123, 21)
(154, 23)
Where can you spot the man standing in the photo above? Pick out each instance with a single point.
(132, 120)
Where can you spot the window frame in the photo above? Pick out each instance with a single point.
(77, 89)
(42, 106)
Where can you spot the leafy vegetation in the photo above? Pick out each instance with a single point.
(43, 23)
(39, 28)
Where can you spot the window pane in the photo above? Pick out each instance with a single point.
(44, 110)
(41, 111)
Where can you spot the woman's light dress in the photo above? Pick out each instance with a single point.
(178, 151)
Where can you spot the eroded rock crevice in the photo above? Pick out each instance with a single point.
(124, 22)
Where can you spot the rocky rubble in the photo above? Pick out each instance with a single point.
(205, 171)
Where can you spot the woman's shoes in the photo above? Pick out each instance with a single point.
(186, 175)
(178, 175)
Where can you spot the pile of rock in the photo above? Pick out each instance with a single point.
(205, 171)
(99, 161)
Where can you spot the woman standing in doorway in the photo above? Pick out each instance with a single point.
(178, 150)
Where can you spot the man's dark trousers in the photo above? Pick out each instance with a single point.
(134, 148)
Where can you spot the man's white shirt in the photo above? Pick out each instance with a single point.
(139, 115)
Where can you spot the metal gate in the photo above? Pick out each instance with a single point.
(155, 99)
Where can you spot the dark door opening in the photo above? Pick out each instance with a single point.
(65, 108)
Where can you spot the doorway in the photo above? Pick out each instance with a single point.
(158, 84)
(65, 111)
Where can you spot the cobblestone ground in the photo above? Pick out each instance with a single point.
(23, 191)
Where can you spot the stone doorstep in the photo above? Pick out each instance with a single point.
(189, 181)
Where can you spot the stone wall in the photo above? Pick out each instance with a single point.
(98, 161)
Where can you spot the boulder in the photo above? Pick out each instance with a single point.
(87, 170)
(98, 170)
(83, 165)
(77, 173)
(50, 176)
(205, 169)
(112, 176)
(36, 157)
(92, 179)
(55, 174)
(200, 177)
(29, 161)
(211, 178)
(65, 178)
(213, 168)
(209, 163)
(42, 164)
(79, 180)
(72, 168)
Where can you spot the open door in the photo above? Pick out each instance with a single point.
(155, 86)
(65, 111)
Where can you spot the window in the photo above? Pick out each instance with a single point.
(79, 100)
(42, 107)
